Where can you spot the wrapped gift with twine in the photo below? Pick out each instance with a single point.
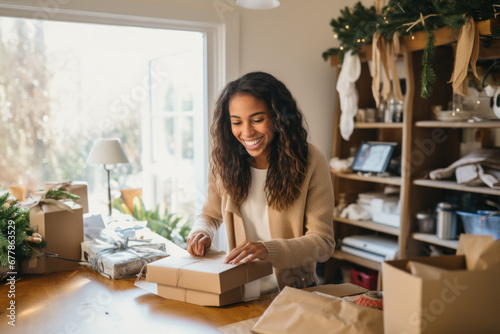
(59, 221)
(117, 258)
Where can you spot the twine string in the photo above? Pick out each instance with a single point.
(117, 246)
(420, 20)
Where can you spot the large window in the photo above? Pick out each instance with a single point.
(63, 85)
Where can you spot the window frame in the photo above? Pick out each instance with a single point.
(220, 27)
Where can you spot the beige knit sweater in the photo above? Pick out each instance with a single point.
(302, 235)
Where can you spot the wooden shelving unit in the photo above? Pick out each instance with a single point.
(427, 193)
(419, 124)
(350, 182)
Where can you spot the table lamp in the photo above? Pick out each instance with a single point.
(108, 152)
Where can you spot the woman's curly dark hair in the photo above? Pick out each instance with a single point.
(288, 159)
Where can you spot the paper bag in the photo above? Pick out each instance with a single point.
(299, 311)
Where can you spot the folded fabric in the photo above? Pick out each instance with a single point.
(477, 168)
(355, 212)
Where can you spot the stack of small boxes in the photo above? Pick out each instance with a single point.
(204, 281)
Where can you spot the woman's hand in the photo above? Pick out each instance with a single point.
(198, 243)
(247, 251)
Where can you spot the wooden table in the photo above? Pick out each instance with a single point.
(83, 301)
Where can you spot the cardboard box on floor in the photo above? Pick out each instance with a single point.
(451, 294)
(209, 273)
(63, 231)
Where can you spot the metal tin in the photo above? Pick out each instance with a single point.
(426, 222)
(446, 221)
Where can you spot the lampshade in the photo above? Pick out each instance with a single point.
(258, 4)
(107, 151)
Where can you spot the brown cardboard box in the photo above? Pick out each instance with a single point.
(454, 300)
(209, 273)
(63, 231)
(202, 298)
(197, 297)
(78, 188)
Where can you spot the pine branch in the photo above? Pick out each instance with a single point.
(60, 194)
(428, 77)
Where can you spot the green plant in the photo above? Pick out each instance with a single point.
(17, 239)
(168, 225)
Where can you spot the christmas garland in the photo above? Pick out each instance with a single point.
(355, 26)
(16, 235)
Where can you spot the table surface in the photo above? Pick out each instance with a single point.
(83, 301)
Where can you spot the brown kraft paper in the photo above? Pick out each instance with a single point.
(298, 311)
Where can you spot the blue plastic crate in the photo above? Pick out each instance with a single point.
(481, 222)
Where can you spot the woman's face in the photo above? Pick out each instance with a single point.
(251, 123)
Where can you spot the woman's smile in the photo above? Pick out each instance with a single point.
(251, 144)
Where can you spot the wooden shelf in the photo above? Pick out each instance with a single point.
(392, 180)
(459, 125)
(447, 35)
(487, 27)
(369, 225)
(379, 125)
(443, 36)
(433, 239)
(340, 255)
(418, 40)
(452, 185)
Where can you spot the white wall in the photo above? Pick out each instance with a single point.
(286, 41)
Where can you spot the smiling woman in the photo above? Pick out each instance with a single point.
(271, 188)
